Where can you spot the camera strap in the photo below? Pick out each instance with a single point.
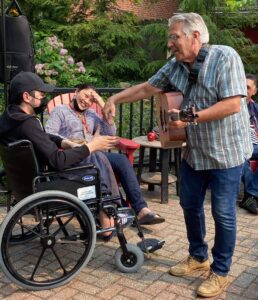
(194, 71)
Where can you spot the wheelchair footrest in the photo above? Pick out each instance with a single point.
(150, 245)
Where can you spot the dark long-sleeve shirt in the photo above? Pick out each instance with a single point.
(15, 125)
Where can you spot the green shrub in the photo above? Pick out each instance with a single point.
(56, 66)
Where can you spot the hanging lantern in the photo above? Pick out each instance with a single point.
(19, 53)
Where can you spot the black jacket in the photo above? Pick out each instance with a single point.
(15, 125)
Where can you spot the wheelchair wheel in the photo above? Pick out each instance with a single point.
(64, 237)
(130, 263)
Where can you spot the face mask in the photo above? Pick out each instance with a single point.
(76, 106)
(39, 110)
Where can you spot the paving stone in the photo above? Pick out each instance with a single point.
(244, 280)
(120, 297)
(131, 293)
(156, 288)
(111, 291)
(81, 286)
(65, 293)
(83, 296)
(166, 295)
(133, 284)
(251, 292)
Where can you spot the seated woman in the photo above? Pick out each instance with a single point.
(78, 121)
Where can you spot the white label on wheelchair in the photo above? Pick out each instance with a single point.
(87, 192)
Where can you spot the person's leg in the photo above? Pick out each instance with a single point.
(108, 185)
(255, 152)
(124, 170)
(250, 180)
(193, 185)
(106, 222)
(225, 185)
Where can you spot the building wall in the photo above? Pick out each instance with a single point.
(162, 9)
(252, 34)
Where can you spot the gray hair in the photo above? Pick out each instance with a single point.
(191, 22)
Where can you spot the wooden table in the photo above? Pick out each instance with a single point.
(164, 155)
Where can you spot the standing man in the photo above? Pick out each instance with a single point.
(250, 178)
(216, 147)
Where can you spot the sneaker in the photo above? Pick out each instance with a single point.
(213, 285)
(249, 203)
(188, 266)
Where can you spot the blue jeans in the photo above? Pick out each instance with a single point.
(255, 152)
(250, 178)
(125, 172)
(224, 185)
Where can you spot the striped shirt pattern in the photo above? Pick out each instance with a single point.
(217, 144)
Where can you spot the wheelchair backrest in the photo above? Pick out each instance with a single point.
(21, 166)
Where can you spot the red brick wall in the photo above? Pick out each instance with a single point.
(162, 9)
(252, 34)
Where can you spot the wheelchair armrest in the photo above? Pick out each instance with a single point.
(19, 143)
(128, 147)
(87, 166)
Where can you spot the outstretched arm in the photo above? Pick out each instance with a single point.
(132, 94)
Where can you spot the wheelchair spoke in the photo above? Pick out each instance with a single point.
(61, 224)
(62, 227)
(37, 264)
(58, 259)
(31, 229)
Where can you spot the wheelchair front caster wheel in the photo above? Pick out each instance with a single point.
(131, 262)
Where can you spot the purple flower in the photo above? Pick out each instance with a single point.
(70, 61)
(80, 64)
(81, 69)
(39, 67)
(63, 51)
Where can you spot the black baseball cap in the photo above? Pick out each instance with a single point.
(27, 82)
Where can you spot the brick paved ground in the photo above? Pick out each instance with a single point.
(101, 280)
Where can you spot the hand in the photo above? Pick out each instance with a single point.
(109, 111)
(176, 123)
(96, 98)
(102, 142)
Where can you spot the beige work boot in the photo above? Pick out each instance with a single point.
(188, 266)
(213, 285)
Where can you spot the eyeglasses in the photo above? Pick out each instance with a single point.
(174, 37)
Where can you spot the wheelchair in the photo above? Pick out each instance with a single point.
(49, 233)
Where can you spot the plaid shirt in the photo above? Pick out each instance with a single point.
(217, 144)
